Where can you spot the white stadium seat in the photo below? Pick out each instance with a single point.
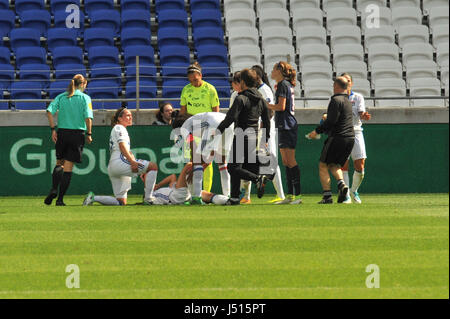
(331, 4)
(357, 69)
(406, 16)
(362, 86)
(244, 56)
(438, 15)
(269, 5)
(237, 4)
(340, 16)
(316, 72)
(386, 70)
(429, 4)
(383, 52)
(318, 88)
(440, 35)
(384, 18)
(390, 88)
(349, 34)
(383, 34)
(444, 75)
(276, 35)
(314, 53)
(361, 5)
(278, 52)
(348, 52)
(421, 69)
(307, 17)
(243, 36)
(274, 18)
(413, 34)
(240, 18)
(295, 4)
(417, 51)
(442, 54)
(425, 87)
(405, 3)
(310, 35)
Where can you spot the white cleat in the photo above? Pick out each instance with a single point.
(89, 200)
(355, 197)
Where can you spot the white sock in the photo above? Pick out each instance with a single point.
(278, 184)
(225, 179)
(219, 199)
(197, 180)
(346, 180)
(106, 200)
(247, 186)
(150, 180)
(357, 180)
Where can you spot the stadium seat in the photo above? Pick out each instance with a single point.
(310, 35)
(61, 5)
(413, 34)
(204, 4)
(318, 89)
(386, 70)
(214, 70)
(58, 37)
(172, 89)
(337, 17)
(107, 71)
(442, 54)
(383, 52)
(172, 36)
(306, 18)
(143, 5)
(135, 36)
(172, 18)
(94, 5)
(426, 87)
(304, 4)
(208, 35)
(383, 34)
(274, 53)
(68, 71)
(331, 4)
(58, 87)
(4, 4)
(312, 53)
(348, 52)
(276, 35)
(444, 75)
(222, 87)
(174, 69)
(440, 35)
(169, 4)
(25, 90)
(357, 69)
(237, 4)
(362, 86)
(103, 89)
(349, 34)
(3, 105)
(67, 55)
(404, 16)
(361, 5)
(23, 5)
(240, 18)
(24, 37)
(5, 55)
(7, 21)
(429, 4)
(76, 20)
(368, 18)
(6, 76)
(206, 18)
(146, 54)
(316, 72)
(28, 55)
(102, 55)
(146, 72)
(417, 51)
(267, 5)
(174, 54)
(108, 19)
(438, 16)
(212, 54)
(274, 18)
(147, 90)
(405, 3)
(243, 35)
(391, 88)
(421, 69)
(94, 37)
(136, 19)
(39, 73)
(244, 56)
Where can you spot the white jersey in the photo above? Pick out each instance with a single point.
(358, 105)
(119, 134)
(171, 195)
(266, 92)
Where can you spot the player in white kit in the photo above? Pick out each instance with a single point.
(123, 165)
(358, 154)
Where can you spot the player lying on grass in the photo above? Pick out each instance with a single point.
(123, 165)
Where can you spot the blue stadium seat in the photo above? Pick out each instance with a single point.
(93, 5)
(172, 18)
(215, 69)
(208, 35)
(147, 90)
(5, 55)
(3, 105)
(23, 5)
(172, 36)
(103, 89)
(36, 19)
(67, 55)
(101, 55)
(107, 71)
(6, 76)
(94, 37)
(145, 52)
(61, 5)
(136, 19)
(24, 37)
(172, 89)
(39, 73)
(4, 4)
(222, 87)
(58, 87)
(169, 4)
(206, 18)
(7, 21)
(30, 55)
(174, 54)
(68, 71)
(174, 69)
(212, 54)
(108, 19)
(135, 4)
(204, 4)
(60, 21)
(60, 37)
(135, 36)
(27, 91)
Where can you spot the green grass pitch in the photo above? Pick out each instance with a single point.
(254, 251)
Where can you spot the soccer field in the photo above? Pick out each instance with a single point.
(254, 251)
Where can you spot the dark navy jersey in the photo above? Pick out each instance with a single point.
(285, 120)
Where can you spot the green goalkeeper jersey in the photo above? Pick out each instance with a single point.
(72, 111)
(199, 99)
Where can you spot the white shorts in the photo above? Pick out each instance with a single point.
(120, 174)
(171, 196)
(359, 149)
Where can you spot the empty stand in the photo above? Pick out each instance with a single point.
(93, 5)
(426, 87)
(109, 19)
(7, 20)
(25, 90)
(310, 35)
(59, 37)
(94, 37)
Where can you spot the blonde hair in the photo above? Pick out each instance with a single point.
(75, 83)
(287, 71)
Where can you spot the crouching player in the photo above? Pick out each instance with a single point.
(123, 165)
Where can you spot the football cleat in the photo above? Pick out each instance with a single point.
(355, 197)
(289, 199)
(233, 201)
(197, 201)
(245, 201)
(326, 201)
(60, 203)
(275, 200)
(52, 195)
(260, 185)
(343, 195)
(296, 202)
(89, 200)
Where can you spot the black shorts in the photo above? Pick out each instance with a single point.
(336, 150)
(288, 138)
(69, 145)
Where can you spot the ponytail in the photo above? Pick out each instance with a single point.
(75, 84)
(288, 72)
(117, 114)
